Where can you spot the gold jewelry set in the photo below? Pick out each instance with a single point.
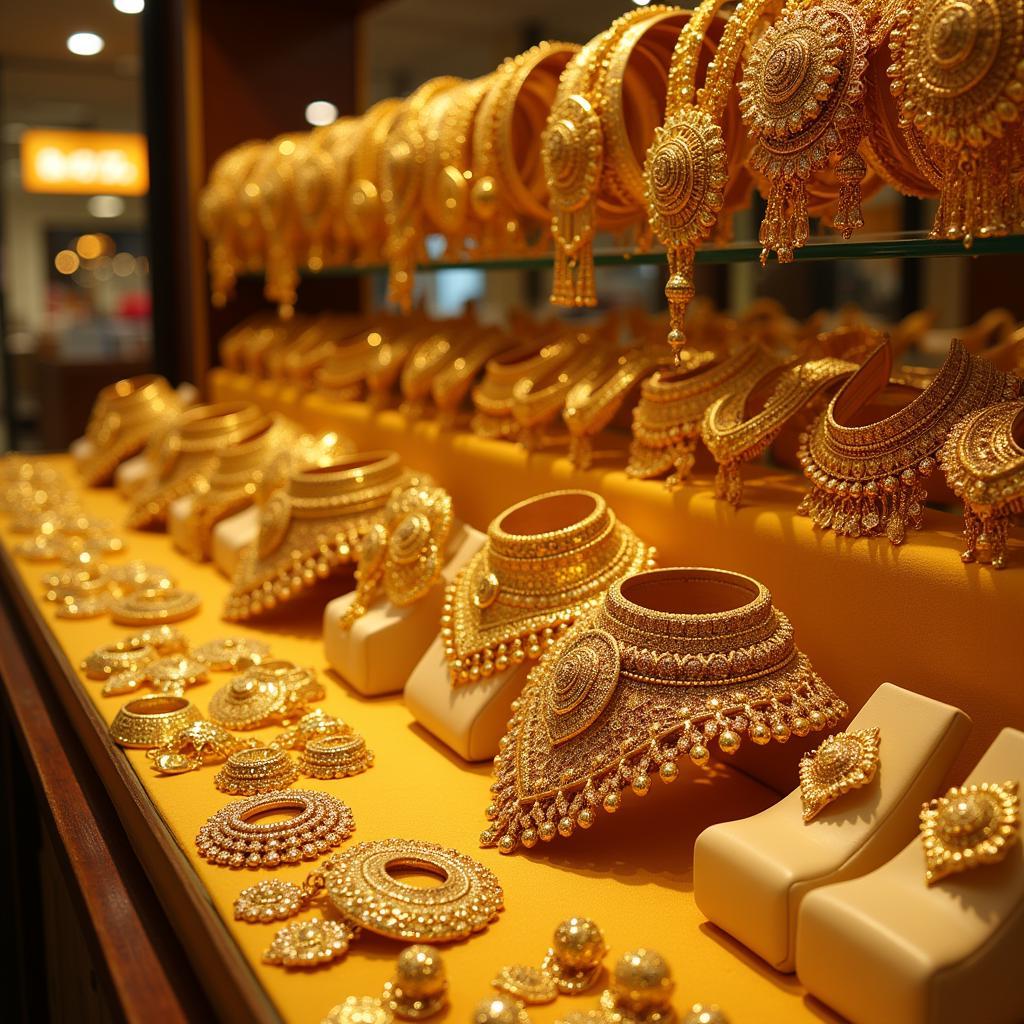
(546, 561)
(404, 553)
(84, 588)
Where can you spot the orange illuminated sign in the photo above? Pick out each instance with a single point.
(84, 163)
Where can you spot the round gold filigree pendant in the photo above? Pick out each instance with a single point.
(572, 152)
(582, 683)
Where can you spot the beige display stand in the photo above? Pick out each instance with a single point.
(231, 536)
(751, 876)
(177, 522)
(132, 475)
(889, 947)
(378, 653)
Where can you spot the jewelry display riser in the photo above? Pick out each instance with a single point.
(863, 610)
(380, 650)
(888, 946)
(132, 475)
(751, 876)
(227, 539)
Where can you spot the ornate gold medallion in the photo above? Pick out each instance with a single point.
(969, 827)
(530, 985)
(845, 761)
(359, 1010)
(309, 943)
(269, 900)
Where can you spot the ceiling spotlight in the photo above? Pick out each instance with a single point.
(641, 3)
(85, 44)
(321, 112)
(130, 6)
(105, 206)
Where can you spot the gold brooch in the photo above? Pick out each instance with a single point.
(120, 656)
(545, 561)
(641, 682)
(309, 943)
(848, 760)
(983, 460)
(273, 691)
(969, 827)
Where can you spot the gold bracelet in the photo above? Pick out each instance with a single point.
(868, 464)
(123, 418)
(983, 459)
(452, 383)
(151, 721)
(339, 141)
(310, 529)
(314, 189)
(546, 561)
(958, 77)
(640, 683)
(364, 210)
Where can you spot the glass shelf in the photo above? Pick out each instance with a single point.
(905, 245)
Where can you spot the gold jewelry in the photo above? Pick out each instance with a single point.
(309, 943)
(319, 823)
(500, 1010)
(183, 456)
(734, 434)
(64, 535)
(575, 956)
(452, 382)
(983, 459)
(120, 656)
(869, 478)
(335, 757)
(591, 404)
(232, 653)
(274, 691)
(668, 417)
(845, 761)
(165, 639)
(172, 675)
(151, 721)
(359, 884)
(641, 989)
(969, 827)
(530, 985)
(88, 589)
(256, 770)
(311, 528)
(359, 1010)
(705, 1013)
(312, 724)
(546, 561)
(429, 358)
(364, 211)
(405, 552)
(153, 606)
(190, 748)
(124, 417)
(957, 73)
(641, 682)
(419, 987)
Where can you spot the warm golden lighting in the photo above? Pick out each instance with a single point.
(124, 264)
(89, 247)
(84, 163)
(66, 262)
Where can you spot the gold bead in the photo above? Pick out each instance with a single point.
(611, 802)
(669, 771)
(729, 742)
(699, 755)
(641, 784)
(566, 827)
(547, 831)
(585, 818)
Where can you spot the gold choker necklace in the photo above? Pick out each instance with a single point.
(984, 465)
(667, 420)
(310, 528)
(868, 469)
(124, 417)
(545, 561)
(185, 455)
(670, 662)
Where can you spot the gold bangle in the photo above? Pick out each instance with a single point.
(452, 382)
(256, 770)
(869, 478)
(152, 607)
(546, 560)
(152, 720)
(641, 682)
(983, 460)
(364, 211)
(335, 757)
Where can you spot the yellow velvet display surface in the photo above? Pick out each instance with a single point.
(864, 611)
(632, 872)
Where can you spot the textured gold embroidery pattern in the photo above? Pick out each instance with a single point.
(311, 528)
(633, 690)
(870, 479)
(848, 760)
(522, 590)
(983, 460)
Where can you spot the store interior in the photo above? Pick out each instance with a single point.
(512, 513)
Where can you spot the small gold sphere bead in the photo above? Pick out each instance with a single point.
(780, 732)
(529, 838)
(699, 755)
(641, 784)
(642, 982)
(585, 818)
(729, 742)
(705, 1013)
(579, 944)
(611, 802)
(419, 988)
(499, 1010)
(506, 844)
(547, 831)
(760, 733)
(566, 827)
(669, 771)
(491, 812)
(801, 726)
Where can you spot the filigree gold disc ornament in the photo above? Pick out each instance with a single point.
(959, 73)
(845, 761)
(802, 98)
(530, 985)
(969, 827)
(309, 943)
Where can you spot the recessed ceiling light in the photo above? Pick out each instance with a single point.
(105, 206)
(321, 112)
(641, 3)
(85, 44)
(130, 6)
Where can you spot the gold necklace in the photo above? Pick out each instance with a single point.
(868, 469)
(545, 561)
(668, 662)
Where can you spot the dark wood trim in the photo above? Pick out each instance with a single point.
(128, 927)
